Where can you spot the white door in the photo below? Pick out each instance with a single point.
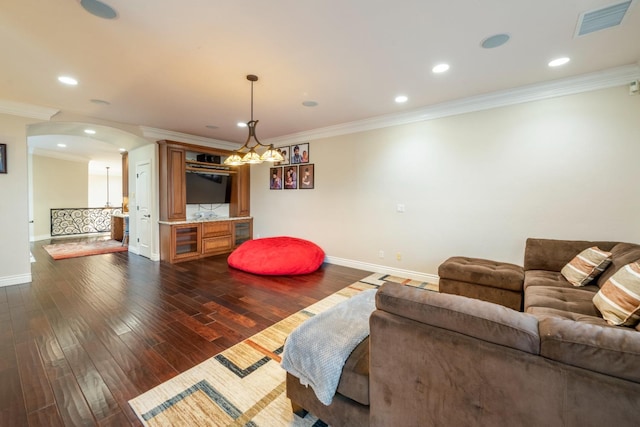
(143, 208)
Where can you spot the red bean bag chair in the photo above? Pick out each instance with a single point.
(277, 256)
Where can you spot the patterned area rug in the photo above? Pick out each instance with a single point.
(78, 249)
(244, 385)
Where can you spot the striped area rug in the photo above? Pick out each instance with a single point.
(244, 385)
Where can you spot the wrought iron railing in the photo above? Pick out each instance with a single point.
(70, 221)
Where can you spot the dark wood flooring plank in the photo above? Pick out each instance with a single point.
(35, 384)
(46, 417)
(101, 330)
(72, 406)
(95, 391)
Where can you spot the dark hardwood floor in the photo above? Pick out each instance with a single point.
(89, 334)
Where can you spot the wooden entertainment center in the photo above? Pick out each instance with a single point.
(183, 239)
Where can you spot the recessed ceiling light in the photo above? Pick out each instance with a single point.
(122, 150)
(401, 98)
(99, 9)
(100, 101)
(310, 103)
(495, 41)
(440, 68)
(62, 145)
(68, 80)
(242, 125)
(558, 62)
(90, 131)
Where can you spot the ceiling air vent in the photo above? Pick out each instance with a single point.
(600, 19)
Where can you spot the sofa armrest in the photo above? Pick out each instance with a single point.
(489, 322)
(609, 350)
(552, 255)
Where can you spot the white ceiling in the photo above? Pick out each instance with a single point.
(180, 65)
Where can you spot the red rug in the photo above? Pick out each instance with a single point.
(78, 249)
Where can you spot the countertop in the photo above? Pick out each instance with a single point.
(196, 221)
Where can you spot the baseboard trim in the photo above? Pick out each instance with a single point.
(376, 268)
(136, 250)
(15, 280)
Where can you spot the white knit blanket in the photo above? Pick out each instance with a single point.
(316, 351)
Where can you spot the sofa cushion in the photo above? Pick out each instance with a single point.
(483, 272)
(480, 319)
(586, 266)
(544, 312)
(621, 255)
(619, 298)
(552, 255)
(354, 381)
(605, 349)
(574, 300)
(550, 278)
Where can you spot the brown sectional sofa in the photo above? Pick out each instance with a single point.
(447, 360)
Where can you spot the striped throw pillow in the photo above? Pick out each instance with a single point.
(619, 298)
(586, 266)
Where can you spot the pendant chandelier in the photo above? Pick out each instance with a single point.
(247, 154)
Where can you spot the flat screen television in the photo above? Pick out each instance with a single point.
(206, 188)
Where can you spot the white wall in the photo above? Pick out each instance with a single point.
(476, 184)
(15, 266)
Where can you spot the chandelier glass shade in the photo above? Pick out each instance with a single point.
(249, 152)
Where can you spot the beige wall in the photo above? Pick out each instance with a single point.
(14, 213)
(97, 192)
(476, 184)
(57, 183)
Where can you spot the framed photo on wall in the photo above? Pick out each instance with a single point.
(290, 177)
(285, 151)
(306, 175)
(3, 158)
(275, 178)
(299, 153)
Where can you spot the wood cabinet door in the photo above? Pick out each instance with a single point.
(217, 245)
(240, 203)
(216, 228)
(173, 197)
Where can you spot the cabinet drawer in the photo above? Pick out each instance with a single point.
(217, 244)
(212, 229)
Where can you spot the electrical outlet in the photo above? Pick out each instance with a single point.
(400, 208)
(399, 256)
(381, 254)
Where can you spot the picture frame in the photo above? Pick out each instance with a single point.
(3, 158)
(299, 153)
(306, 177)
(290, 177)
(285, 151)
(275, 178)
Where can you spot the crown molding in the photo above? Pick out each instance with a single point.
(27, 110)
(535, 92)
(160, 134)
